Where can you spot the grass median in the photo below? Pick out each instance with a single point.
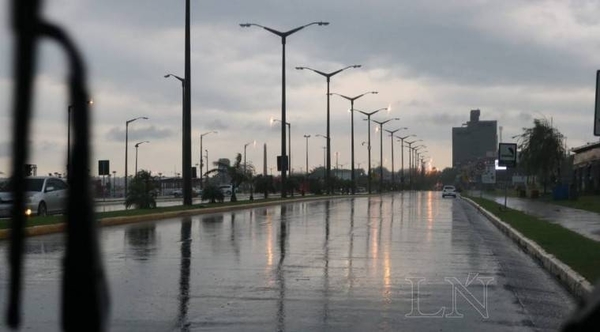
(577, 251)
(50, 220)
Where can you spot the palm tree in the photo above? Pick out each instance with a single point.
(236, 173)
(542, 150)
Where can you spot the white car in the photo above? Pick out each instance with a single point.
(226, 189)
(44, 195)
(449, 191)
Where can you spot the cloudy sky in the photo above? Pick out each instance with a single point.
(431, 61)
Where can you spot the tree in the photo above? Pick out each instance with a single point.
(142, 191)
(542, 150)
(236, 173)
(264, 184)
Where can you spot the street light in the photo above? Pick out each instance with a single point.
(351, 110)
(90, 102)
(415, 150)
(246, 167)
(410, 179)
(328, 77)
(126, 145)
(283, 36)
(307, 137)
(273, 120)
(381, 123)
(402, 158)
(201, 163)
(369, 142)
(206, 164)
(416, 158)
(136, 154)
(186, 144)
(114, 190)
(324, 154)
(392, 132)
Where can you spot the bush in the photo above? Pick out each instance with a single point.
(140, 192)
(212, 193)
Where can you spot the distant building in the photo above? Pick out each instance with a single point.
(586, 168)
(476, 141)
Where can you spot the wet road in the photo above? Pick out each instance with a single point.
(411, 262)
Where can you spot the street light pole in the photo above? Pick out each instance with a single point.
(352, 99)
(246, 167)
(415, 160)
(307, 137)
(416, 163)
(369, 142)
(328, 77)
(186, 136)
(186, 125)
(201, 163)
(136, 154)
(392, 148)
(381, 123)
(206, 164)
(126, 145)
(114, 190)
(324, 155)
(289, 149)
(410, 152)
(402, 157)
(283, 36)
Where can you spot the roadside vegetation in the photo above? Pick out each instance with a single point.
(237, 173)
(141, 191)
(56, 219)
(577, 251)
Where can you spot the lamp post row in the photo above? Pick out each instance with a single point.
(328, 76)
(283, 36)
(186, 106)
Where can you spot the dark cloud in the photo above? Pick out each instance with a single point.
(432, 55)
(117, 134)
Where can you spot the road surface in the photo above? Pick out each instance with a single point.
(402, 262)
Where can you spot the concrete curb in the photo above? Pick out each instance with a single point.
(573, 281)
(115, 221)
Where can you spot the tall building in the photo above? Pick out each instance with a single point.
(474, 141)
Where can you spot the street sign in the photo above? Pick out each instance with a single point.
(597, 106)
(103, 167)
(282, 166)
(507, 154)
(489, 176)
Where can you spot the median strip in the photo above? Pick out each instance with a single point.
(55, 224)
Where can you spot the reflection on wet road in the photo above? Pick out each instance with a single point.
(408, 262)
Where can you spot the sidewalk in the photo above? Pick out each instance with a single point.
(580, 221)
